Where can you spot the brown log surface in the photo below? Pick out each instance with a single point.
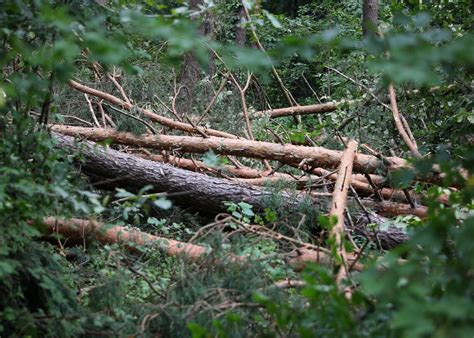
(290, 154)
(297, 110)
(193, 189)
(76, 228)
(190, 189)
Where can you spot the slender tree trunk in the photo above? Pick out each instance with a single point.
(191, 69)
(240, 36)
(370, 10)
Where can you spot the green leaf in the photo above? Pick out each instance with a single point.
(163, 203)
(211, 159)
(272, 19)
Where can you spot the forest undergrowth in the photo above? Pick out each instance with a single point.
(236, 169)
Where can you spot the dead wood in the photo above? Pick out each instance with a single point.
(404, 130)
(192, 189)
(254, 176)
(167, 122)
(364, 188)
(370, 225)
(332, 175)
(289, 154)
(298, 259)
(396, 209)
(79, 229)
(338, 207)
(301, 183)
(112, 168)
(227, 170)
(297, 110)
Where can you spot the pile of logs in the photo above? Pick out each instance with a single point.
(163, 162)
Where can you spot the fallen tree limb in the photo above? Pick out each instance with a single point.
(199, 166)
(332, 175)
(298, 259)
(404, 131)
(116, 169)
(369, 225)
(290, 154)
(396, 209)
(362, 186)
(254, 176)
(167, 122)
(80, 229)
(262, 181)
(297, 110)
(338, 207)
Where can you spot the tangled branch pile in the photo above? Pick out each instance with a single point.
(164, 162)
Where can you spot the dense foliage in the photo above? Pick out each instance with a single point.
(49, 287)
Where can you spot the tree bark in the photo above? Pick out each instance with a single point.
(240, 35)
(191, 69)
(370, 10)
(289, 154)
(297, 110)
(79, 229)
(404, 132)
(197, 190)
(338, 207)
(190, 189)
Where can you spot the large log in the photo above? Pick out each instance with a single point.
(190, 188)
(77, 229)
(290, 154)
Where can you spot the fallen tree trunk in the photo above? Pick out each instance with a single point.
(190, 189)
(289, 154)
(258, 177)
(199, 166)
(297, 110)
(80, 229)
(395, 209)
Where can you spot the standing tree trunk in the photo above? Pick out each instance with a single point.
(370, 10)
(240, 35)
(191, 69)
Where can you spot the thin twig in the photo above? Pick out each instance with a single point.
(91, 109)
(118, 86)
(399, 124)
(152, 129)
(213, 100)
